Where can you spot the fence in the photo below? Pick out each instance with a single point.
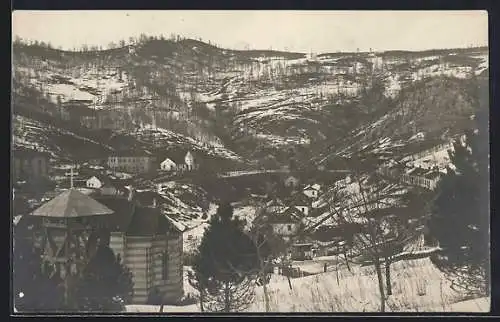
(419, 181)
(251, 172)
(427, 152)
(410, 180)
(293, 272)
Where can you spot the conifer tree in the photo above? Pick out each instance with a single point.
(225, 256)
(34, 289)
(459, 221)
(106, 284)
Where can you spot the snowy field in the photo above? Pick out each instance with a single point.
(417, 287)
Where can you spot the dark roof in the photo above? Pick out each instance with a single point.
(294, 212)
(80, 110)
(146, 198)
(290, 215)
(433, 175)
(145, 221)
(418, 172)
(299, 199)
(136, 220)
(123, 212)
(275, 202)
(71, 204)
(329, 233)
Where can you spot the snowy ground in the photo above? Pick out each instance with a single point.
(417, 287)
(192, 236)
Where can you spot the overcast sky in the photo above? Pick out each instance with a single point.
(303, 31)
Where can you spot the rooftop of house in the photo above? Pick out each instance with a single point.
(326, 233)
(148, 197)
(290, 215)
(275, 203)
(315, 186)
(137, 220)
(71, 204)
(80, 110)
(299, 199)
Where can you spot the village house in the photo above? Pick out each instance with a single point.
(286, 224)
(30, 164)
(275, 206)
(104, 185)
(301, 251)
(300, 202)
(168, 165)
(177, 161)
(131, 161)
(148, 242)
(312, 191)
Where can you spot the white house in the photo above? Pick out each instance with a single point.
(104, 185)
(168, 165)
(178, 162)
(312, 191)
(189, 161)
(94, 182)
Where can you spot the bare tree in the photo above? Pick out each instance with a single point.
(387, 216)
(276, 247)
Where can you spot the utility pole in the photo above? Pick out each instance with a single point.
(71, 177)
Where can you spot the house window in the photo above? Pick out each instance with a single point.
(289, 227)
(164, 270)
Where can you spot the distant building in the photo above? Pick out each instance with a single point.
(30, 164)
(275, 206)
(105, 186)
(94, 182)
(132, 162)
(168, 165)
(302, 251)
(189, 161)
(286, 224)
(178, 161)
(301, 202)
(312, 191)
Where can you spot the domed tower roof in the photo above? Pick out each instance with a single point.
(71, 204)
